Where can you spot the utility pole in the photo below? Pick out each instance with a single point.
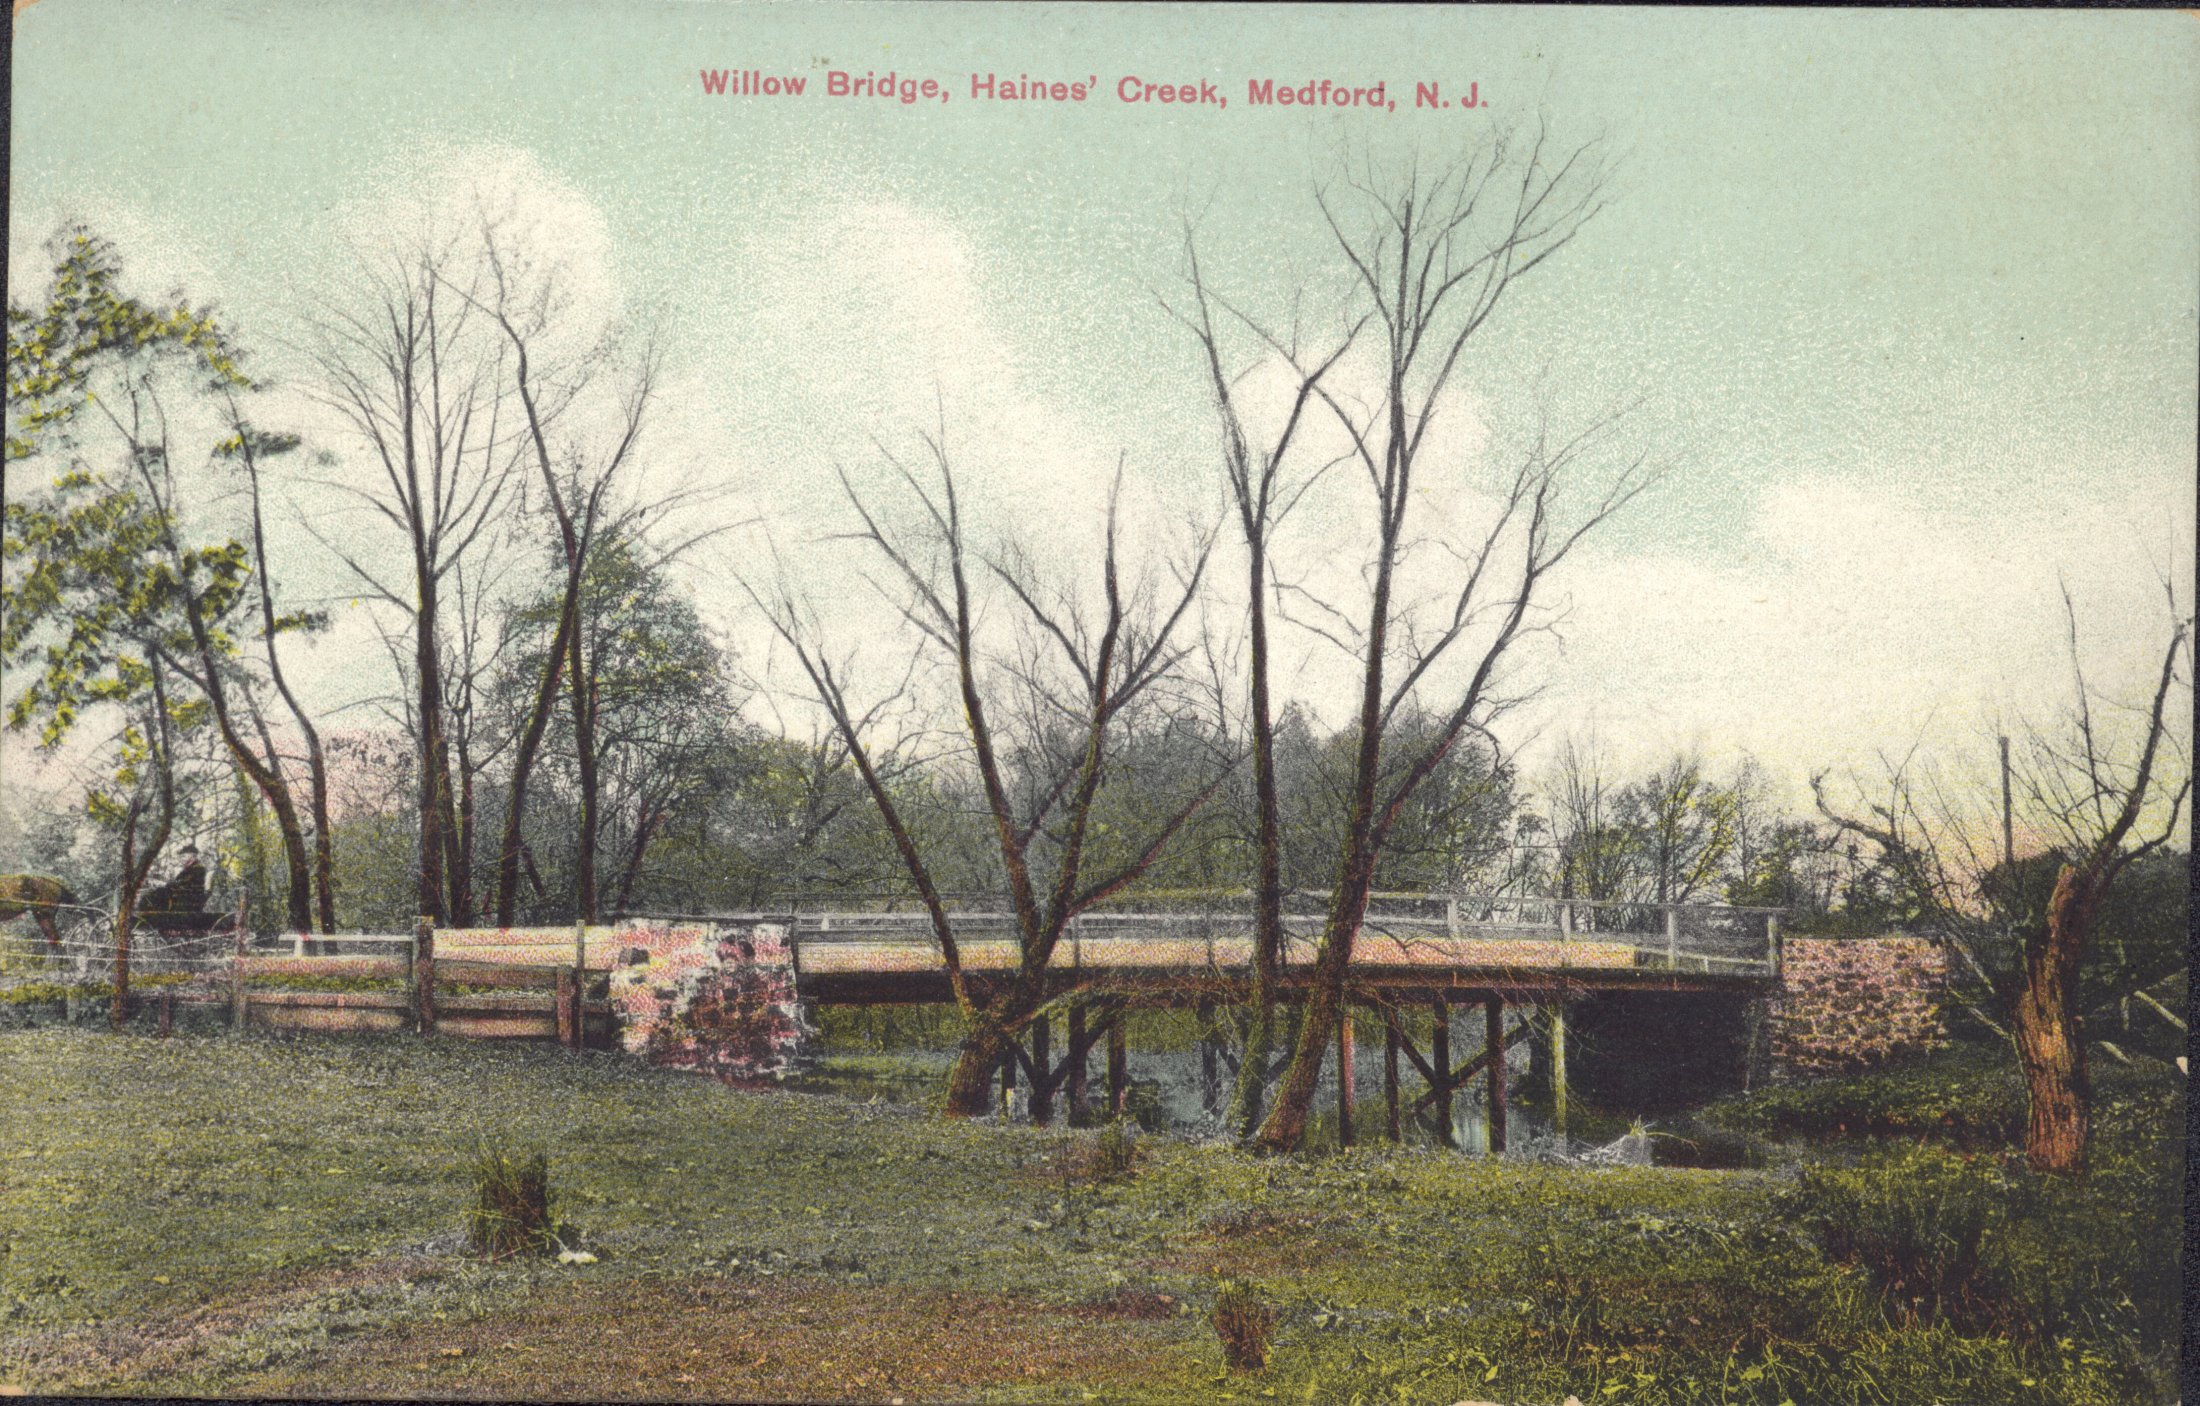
(2008, 829)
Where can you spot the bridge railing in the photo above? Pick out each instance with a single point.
(1407, 928)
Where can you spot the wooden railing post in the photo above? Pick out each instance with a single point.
(424, 975)
(1772, 941)
(1672, 937)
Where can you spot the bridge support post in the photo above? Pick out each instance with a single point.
(1118, 1065)
(1558, 1070)
(1210, 1056)
(1042, 1056)
(1440, 1056)
(1078, 1049)
(1493, 1012)
(1390, 1079)
(1344, 1076)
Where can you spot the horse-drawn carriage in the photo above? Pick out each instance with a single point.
(170, 920)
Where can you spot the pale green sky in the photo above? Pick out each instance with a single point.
(1908, 297)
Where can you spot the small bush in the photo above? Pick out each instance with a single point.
(1114, 1154)
(1983, 1243)
(1243, 1322)
(1917, 1224)
(510, 1214)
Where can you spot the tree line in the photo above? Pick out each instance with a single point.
(1054, 723)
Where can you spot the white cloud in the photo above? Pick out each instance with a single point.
(1849, 617)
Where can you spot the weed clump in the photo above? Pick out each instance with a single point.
(510, 1211)
(1244, 1322)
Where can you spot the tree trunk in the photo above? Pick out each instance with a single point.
(461, 874)
(1252, 1077)
(523, 760)
(582, 689)
(970, 1081)
(2050, 1042)
(435, 764)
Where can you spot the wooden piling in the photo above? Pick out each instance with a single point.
(1118, 1066)
(1344, 1077)
(1440, 1056)
(1558, 1069)
(424, 976)
(1210, 1058)
(1042, 1066)
(1078, 1049)
(1493, 1012)
(1390, 1080)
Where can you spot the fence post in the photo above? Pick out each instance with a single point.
(424, 975)
(167, 1011)
(298, 943)
(1772, 941)
(1672, 937)
(1451, 916)
(565, 1007)
(580, 983)
(238, 998)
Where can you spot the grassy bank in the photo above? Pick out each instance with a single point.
(226, 1215)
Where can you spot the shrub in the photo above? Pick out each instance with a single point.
(1243, 1322)
(510, 1214)
(1987, 1245)
(1917, 1224)
(1114, 1154)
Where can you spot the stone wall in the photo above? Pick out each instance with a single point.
(1849, 1005)
(720, 1001)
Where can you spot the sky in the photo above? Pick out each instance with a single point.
(1902, 303)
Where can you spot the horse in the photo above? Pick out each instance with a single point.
(40, 896)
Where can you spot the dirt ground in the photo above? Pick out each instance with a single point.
(774, 1340)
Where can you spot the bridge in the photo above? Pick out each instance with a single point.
(1413, 952)
(1408, 945)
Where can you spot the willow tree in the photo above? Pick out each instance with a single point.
(1430, 258)
(96, 601)
(1043, 711)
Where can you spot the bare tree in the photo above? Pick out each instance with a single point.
(1263, 493)
(578, 476)
(1431, 263)
(1087, 675)
(249, 446)
(2101, 787)
(420, 379)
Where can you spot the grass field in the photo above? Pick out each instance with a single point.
(214, 1214)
